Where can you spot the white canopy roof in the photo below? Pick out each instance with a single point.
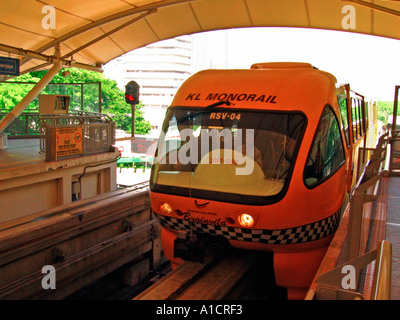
(93, 32)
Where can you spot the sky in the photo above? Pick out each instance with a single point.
(370, 64)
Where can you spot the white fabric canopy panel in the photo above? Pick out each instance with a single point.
(97, 31)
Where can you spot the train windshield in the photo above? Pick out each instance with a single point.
(230, 155)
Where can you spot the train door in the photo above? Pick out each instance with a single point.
(353, 111)
(357, 132)
(345, 111)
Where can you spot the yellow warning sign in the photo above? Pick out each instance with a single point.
(69, 141)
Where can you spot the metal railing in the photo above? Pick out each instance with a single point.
(84, 96)
(25, 126)
(30, 123)
(394, 163)
(87, 133)
(383, 274)
(328, 284)
(365, 191)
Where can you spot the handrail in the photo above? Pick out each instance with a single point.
(383, 273)
(326, 285)
(30, 123)
(369, 179)
(387, 163)
(394, 154)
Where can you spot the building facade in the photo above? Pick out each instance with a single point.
(161, 68)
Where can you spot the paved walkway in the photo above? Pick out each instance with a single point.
(393, 232)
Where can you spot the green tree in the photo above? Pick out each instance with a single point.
(385, 109)
(113, 101)
(11, 94)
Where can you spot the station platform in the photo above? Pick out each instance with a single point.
(25, 152)
(393, 232)
(25, 174)
(20, 152)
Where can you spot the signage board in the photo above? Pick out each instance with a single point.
(144, 145)
(68, 141)
(9, 66)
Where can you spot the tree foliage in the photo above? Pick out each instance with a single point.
(11, 95)
(385, 109)
(113, 101)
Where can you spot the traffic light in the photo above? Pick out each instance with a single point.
(132, 93)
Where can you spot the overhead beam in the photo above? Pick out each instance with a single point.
(108, 33)
(48, 58)
(21, 106)
(29, 54)
(25, 53)
(375, 7)
(106, 20)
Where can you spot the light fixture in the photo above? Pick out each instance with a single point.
(246, 220)
(166, 208)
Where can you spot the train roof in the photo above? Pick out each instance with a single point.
(273, 86)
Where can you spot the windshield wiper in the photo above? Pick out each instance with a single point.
(205, 110)
(219, 103)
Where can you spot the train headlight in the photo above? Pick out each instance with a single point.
(246, 220)
(166, 208)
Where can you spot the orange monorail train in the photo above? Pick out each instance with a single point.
(264, 159)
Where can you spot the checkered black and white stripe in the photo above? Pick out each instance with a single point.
(309, 232)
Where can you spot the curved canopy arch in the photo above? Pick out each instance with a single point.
(92, 33)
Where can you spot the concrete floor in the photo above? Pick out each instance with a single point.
(393, 232)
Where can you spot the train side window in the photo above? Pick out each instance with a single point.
(360, 117)
(366, 124)
(364, 116)
(342, 100)
(355, 118)
(327, 152)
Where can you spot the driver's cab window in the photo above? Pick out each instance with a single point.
(327, 152)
